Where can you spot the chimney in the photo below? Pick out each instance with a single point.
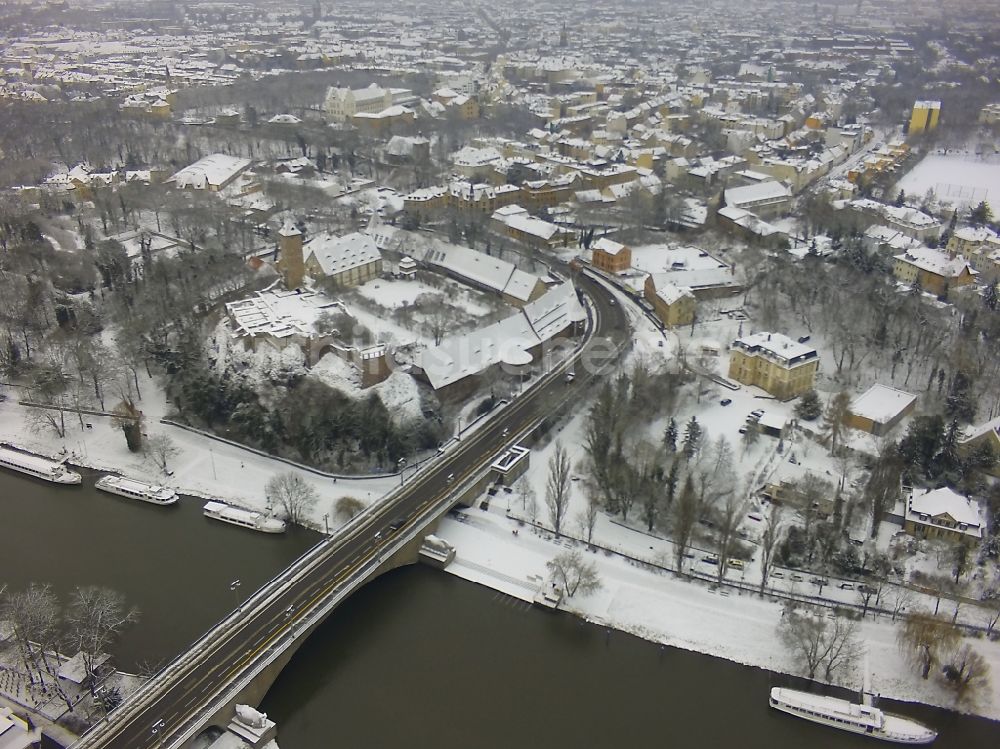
(290, 260)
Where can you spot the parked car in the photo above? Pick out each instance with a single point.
(725, 401)
(846, 586)
(710, 559)
(757, 413)
(819, 581)
(777, 574)
(796, 578)
(736, 564)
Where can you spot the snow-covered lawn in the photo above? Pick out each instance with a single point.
(960, 178)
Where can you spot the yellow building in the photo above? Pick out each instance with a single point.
(674, 305)
(942, 513)
(933, 270)
(924, 117)
(775, 363)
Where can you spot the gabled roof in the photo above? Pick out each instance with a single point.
(937, 502)
(338, 254)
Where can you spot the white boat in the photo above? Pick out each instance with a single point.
(39, 467)
(863, 718)
(256, 521)
(135, 489)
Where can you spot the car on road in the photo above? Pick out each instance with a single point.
(743, 430)
(396, 524)
(819, 581)
(725, 401)
(570, 376)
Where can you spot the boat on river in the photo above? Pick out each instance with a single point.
(255, 521)
(39, 467)
(135, 489)
(863, 718)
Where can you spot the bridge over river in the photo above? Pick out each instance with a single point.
(238, 660)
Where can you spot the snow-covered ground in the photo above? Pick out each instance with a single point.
(961, 178)
(662, 608)
(203, 467)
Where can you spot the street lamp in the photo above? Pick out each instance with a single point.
(326, 523)
(211, 456)
(235, 587)
(401, 464)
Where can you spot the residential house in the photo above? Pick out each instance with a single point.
(674, 305)
(933, 270)
(775, 363)
(517, 223)
(611, 256)
(943, 513)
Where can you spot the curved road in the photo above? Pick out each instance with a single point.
(226, 657)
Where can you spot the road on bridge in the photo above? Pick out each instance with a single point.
(187, 690)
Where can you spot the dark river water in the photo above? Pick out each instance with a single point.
(415, 659)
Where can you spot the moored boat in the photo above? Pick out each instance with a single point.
(864, 718)
(256, 521)
(135, 489)
(39, 467)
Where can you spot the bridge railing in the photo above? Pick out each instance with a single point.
(156, 683)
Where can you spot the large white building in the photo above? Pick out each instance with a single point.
(343, 103)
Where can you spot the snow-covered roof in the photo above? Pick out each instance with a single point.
(762, 192)
(608, 246)
(935, 261)
(975, 432)
(507, 341)
(214, 170)
(923, 507)
(881, 403)
(483, 270)
(778, 346)
(338, 254)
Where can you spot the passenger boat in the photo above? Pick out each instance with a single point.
(255, 521)
(863, 718)
(135, 489)
(39, 467)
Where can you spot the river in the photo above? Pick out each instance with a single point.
(171, 562)
(415, 659)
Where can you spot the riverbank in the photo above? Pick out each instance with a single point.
(689, 615)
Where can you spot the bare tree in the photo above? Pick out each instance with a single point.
(587, 518)
(768, 542)
(161, 450)
(557, 487)
(899, 598)
(685, 515)
(574, 574)
(923, 638)
(291, 494)
(967, 673)
(349, 507)
(728, 519)
(817, 641)
(96, 617)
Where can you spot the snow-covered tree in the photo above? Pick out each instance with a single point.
(557, 487)
(574, 574)
(291, 494)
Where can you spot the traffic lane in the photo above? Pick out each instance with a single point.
(276, 613)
